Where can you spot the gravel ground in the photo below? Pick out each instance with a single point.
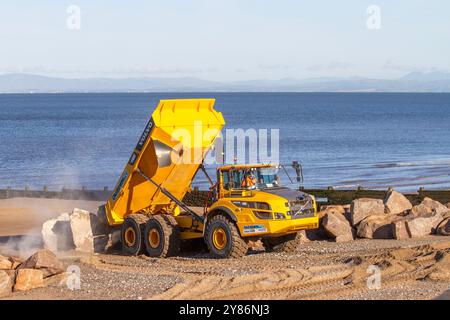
(419, 290)
(101, 284)
(319, 270)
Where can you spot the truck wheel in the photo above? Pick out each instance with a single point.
(288, 243)
(223, 239)
(131, 234)
(161, 236)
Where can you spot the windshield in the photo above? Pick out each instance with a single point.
(251, 178)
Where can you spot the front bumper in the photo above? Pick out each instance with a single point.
(277, 227)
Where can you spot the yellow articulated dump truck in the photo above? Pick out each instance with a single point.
(246, 203)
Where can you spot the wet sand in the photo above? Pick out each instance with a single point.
(24, 216)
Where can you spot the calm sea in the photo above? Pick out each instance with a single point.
(344, 140)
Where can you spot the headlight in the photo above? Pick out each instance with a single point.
(252, 205)
(279, 215)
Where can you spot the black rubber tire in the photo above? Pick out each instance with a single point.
(288, 243)
(236, 247)
(137, 223)
(169, 236)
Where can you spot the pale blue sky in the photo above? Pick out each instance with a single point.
(225, 39)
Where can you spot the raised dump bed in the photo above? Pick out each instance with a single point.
(167, 156)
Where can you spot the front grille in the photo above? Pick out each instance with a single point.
(301, 209)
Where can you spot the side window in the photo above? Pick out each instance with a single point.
(238, 176)
(226, 180)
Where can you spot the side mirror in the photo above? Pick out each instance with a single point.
(298, 170)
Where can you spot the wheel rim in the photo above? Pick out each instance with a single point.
(130, 237)
(219, 238)
(153, 238)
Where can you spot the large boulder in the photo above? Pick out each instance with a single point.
(44, 260)
(448, 205)
(421, 210)
(11, 274)
(346, 237)
(365, 207)
(27, 279)
(80, 230)
(428, 207)
(435, 206)
(324, 210)
(423, 226)
(396, 202)
(6, 283)
(56, 233)
(58, 280)
(377, 227)
(444, 228)
(5, 263)
(15, 262)
(89, 233)
(446, 215)
(400, 230)
(336, 226)
(343, 209)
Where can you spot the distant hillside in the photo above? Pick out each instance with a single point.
(412, 82)
(37, 83)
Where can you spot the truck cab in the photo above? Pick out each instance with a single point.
(253, 196)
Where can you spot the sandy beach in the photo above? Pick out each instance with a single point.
(24, 216)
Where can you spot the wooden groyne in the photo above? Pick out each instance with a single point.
(198, 197)
(64, 193)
